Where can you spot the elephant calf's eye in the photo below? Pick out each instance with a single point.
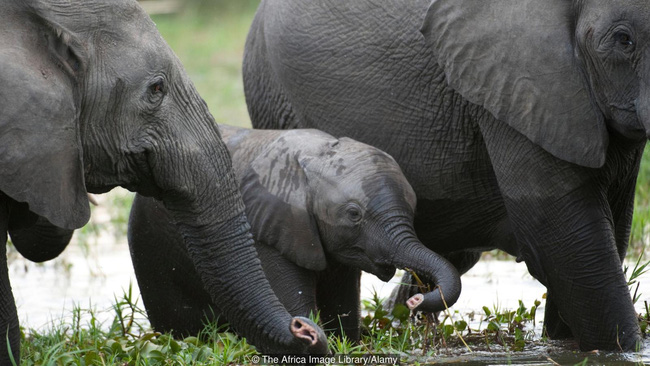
(354, 214)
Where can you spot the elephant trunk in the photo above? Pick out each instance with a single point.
(232, 274)
(415, 256)
(201, 193)
(643, 106)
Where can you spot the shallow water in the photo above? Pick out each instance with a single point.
(501, 284)
(47, 292)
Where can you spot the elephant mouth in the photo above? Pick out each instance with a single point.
(383, 272)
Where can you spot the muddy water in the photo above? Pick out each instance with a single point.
(94, 278)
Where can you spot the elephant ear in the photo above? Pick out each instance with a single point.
(40, 150)
(516, 59)
(276, 195)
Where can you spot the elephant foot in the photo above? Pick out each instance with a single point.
(555, 327)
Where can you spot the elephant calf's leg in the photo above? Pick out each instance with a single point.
(171, 288)
(337, 296)
(292, 284)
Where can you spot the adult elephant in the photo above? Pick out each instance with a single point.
(91, 97)
(520, 126)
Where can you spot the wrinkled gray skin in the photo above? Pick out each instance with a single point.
(91, 97)
(321, 209)
(519, 124)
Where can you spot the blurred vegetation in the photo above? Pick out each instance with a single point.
(640, 238)
(209, 36)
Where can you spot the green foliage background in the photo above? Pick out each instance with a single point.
(208, 37)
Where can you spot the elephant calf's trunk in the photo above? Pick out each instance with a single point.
(436, 269)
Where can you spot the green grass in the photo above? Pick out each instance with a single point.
(127, 340)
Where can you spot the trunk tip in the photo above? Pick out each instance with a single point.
(310, 334)
(433, 301)
(414, 301)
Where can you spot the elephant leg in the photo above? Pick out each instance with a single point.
(566, 234)
(9, 327)
(337, 296)
(554, 326)
(171, 288)
(621, 198)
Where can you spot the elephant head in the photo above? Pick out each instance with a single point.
(93, 98)
(316, 198)
(562, 73)
(571, 76)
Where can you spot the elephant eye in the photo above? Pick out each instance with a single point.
(156, 91)
(354, 213)
(158, 87)
(623, 39)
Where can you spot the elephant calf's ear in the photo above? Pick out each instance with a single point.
(40, 149)
(282, 220)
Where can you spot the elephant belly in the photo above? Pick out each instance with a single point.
(459, 204)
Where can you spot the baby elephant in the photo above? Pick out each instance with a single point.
(321, 210)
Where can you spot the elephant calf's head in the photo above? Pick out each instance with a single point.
(317, 198)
